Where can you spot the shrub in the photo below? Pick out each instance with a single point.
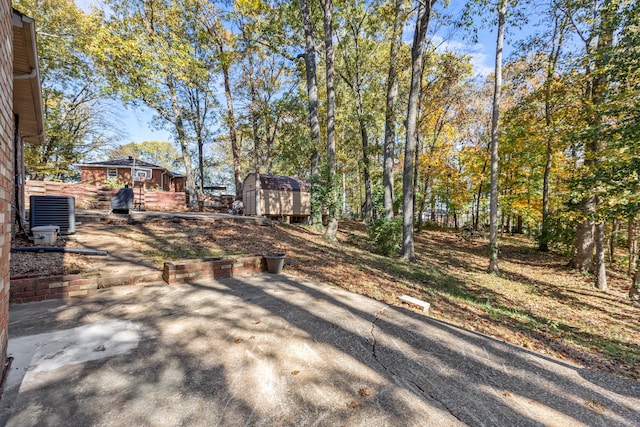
(386, 235)
(561, 232)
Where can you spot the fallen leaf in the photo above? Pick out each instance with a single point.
(237, 340)
(596, 406)
(352, 405)
(364, 392)
(295, 372)
(507, 394)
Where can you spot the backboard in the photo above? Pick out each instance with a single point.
(141, 174)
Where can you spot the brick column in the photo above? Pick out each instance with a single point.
(6, 167)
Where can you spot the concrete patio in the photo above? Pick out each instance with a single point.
(280, 350)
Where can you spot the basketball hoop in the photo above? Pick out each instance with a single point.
(141, 174)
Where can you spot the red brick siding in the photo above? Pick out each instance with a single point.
(93, 176)
(190, 270)
(97, 175)
(6, 168)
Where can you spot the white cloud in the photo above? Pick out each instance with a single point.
(481, 60)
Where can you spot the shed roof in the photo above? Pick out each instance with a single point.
(283, 183)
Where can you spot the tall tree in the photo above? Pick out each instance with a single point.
(417, 54)
(391, 102)
(495, 119)
(556, 39)
(360, 71)
(330, 180)
(312, 102)
(594, 23)
(221, 39)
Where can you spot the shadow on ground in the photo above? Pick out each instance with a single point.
(280, 350)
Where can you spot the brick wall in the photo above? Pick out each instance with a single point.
(6, 168)
(40, 288)
(160, 180)
(190, 270)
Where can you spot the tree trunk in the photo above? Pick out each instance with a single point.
(417, 53)
(231, 123)
(190, 183)
(615, 226)
(432, 206)
(584, 243)
(595, 92)
(423, 202)
(559, 28)
(632, 242)
(478, 199)
(213, 27)
(634, 292)
(390, 111)
(312, 92)
(544, 233)
(493, 204)
(332, 228)
(601, 268)
(366, 174)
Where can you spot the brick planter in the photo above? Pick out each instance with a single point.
(190, 270)
(40, 288)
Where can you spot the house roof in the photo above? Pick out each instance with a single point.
(129, 162)
(283, 183)
(27, 94)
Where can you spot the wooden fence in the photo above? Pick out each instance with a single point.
(92, 197)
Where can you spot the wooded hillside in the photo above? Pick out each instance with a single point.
(378, 103)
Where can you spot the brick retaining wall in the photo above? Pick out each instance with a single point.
(40, 288)
(190, 270)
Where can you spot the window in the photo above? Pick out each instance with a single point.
(112, 173)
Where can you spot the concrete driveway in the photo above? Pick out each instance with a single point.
(279, 350)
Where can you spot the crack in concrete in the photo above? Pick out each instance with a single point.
(395, 374)
(373, 339)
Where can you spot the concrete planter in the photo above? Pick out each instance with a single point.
(275, 262)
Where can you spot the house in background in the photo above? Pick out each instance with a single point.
(21, 121)
(277, 196)
(131, 171)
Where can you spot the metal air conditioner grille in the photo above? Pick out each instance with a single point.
(54, 210)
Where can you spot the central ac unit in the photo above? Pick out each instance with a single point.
(53, 210)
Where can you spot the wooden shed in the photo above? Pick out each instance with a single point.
(277, 196)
